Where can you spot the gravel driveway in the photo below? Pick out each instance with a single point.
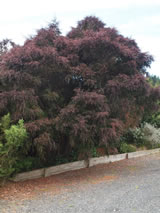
(127, 186)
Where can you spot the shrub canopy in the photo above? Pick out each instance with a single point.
(83, 88)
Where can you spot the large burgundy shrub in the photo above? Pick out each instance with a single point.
(83, 88)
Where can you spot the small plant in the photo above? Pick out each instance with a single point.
(94, 152)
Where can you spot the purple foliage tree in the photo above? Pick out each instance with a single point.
(81, 89)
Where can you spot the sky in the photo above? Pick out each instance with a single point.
(136, 19)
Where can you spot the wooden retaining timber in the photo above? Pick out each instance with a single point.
(143, 153)
(29, 175)
(65, 168)
(45, 172)
(106, 159)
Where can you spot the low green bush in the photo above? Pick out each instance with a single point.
(13, 147)
(151, 135)
(126, 148)
(135, 136)
(147, 136)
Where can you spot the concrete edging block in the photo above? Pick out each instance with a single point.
(65, 168)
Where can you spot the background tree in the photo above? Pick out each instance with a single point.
(5, 45)
(153, 80)
(153, 117)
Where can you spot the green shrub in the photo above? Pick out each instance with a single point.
(147, 135)
(94, 152)
(155, 120)
(135, 136)
(13, 146)
(151, 135)
(125, 148)
(27, 163)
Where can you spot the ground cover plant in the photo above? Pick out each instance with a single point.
(75, 92)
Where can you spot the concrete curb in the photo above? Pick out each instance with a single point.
(46, 172)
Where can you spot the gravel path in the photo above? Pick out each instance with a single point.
(124, 187)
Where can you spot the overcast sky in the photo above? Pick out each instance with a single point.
(137, 19)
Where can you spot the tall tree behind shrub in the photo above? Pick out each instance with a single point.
(82, 88)
(153, 117)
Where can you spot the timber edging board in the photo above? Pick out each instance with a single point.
(64, 168)
(53, 170)
(29, 175)
(143, 153)
(106, 159)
